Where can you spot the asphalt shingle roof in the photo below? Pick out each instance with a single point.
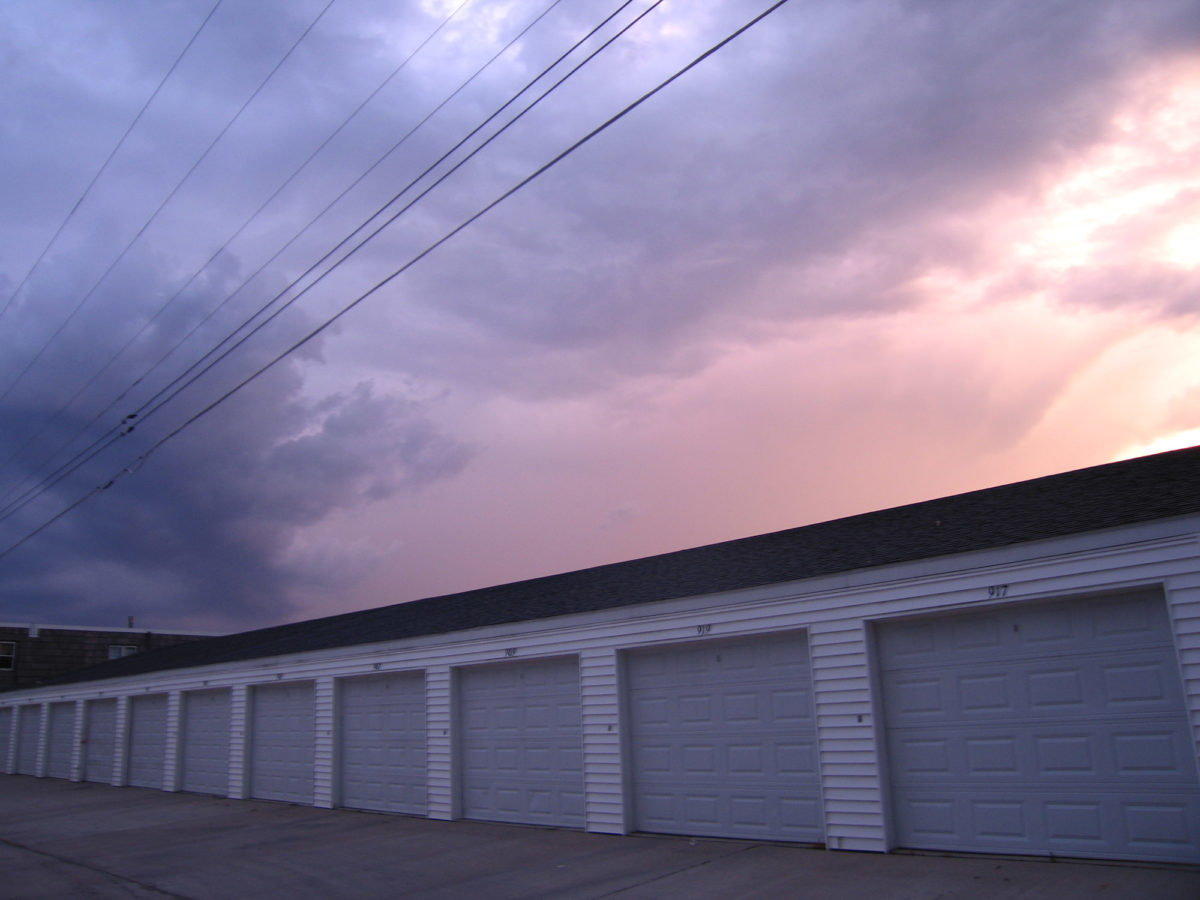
(1162, 486)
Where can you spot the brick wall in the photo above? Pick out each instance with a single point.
(55, 651)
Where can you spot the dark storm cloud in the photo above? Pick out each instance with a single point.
(809, 172)
(202, 526)
(199, 531)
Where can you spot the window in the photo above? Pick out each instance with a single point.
(116, 651)
(8, 654)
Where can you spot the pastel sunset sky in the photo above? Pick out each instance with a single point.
(866, 254)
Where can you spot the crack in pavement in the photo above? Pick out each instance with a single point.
(92, 868)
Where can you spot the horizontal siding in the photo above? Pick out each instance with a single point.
(77, 741)
(603, 789)
(171, 761)
(42, 758)
(324, 754)
(1184, 605)
(121, 744)
(846, 736)
(836, 612)
(239, 740)
(439, 761)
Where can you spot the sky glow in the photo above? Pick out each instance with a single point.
(868, 254)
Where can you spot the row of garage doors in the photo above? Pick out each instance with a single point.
(1049, 729)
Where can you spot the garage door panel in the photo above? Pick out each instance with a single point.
(100, 736)
(1056, 691)
(1105, 624)
(29, 719)
(1109, 753)
(1068, 753)
(205, 734)
(1090, 685)
(383, 743)
(1154, 825)
(60, 740)
(789, 705)
(522, 744)
(283, 743)
(722, 738)
(1115, 618)
(147, 740)
(798, 758)
(724, 812)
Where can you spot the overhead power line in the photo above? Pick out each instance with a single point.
(35, 434)
(200, 367)
(175, 190)
(412, 261)
(104, 166)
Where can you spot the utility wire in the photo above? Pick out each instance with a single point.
(403, 139)
(104, 167)
(196, 274)
(175, 387)
(171, 387)
(413, 261)
(175, 190)
(128, 423)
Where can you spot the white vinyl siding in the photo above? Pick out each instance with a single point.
(1054, 728)
(205, 753)
(60, 740)
(147, 740)
(382, 748)
(602, 763)
(842, 614)
(521, 743)
(283, 742)
(722, 739)
(439, 742)
(100, 739)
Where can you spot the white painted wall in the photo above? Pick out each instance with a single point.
(837, 612)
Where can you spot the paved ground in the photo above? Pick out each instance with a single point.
(62, 840)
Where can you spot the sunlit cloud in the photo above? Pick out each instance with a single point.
(1181, 247)
(1126, 197)
(1176, 441)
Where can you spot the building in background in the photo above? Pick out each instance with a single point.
(33, 654)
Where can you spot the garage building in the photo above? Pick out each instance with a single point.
(1013, 670)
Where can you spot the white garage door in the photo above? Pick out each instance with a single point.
(1051, 729)
(283, 739)
(60, 740)
(383, 743)
(6, 718)
(522, 743)
(147, 740)
(28, 733)
(722, 739)
(100, 737)
(206, 742)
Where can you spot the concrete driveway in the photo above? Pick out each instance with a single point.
(63, 840)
